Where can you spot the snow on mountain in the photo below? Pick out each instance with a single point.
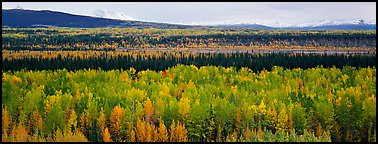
(318, 23)
(278, 25)
(111, 15)
(333, 22)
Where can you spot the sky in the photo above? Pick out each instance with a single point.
(279, 14)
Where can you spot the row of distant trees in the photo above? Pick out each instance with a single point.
(109, 39)
(162, 60)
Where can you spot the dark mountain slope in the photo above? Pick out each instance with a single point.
(45, 18)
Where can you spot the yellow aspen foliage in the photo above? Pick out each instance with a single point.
(148, 109)
(338, 100)
(125, 77)
(329, 96)
(247, 134)
(72, 122)
(263, 74)
(34, 122)
(50, 101)
(55, 74)
(300, 83)
(19, 134)
(162, 132)
(306, 91)
(164, 90)
(259, 133)
(116, 122)
(132, 70)
(287, 90)
(172, 132)
(129, 128)
(58, 136)
(82, 122)
(69, 74)
(272, 113)
(5, 117)
(155, 134)
(228, 138)
(132, 136)
(290, 117)
(85, 123)
(141, 131)
(178, 133)
(219, 134)
(234, 136)
(101, 122)
(72, 137)
(77, 95)
(184, 106)
(35, 138)
(282, 119)
(16, 80)
(4, 138)
(191, 83)
(234, 89)
(261, 107)
(318, 130)
(106, 136)
(160, 106)
(49, 138)
(364, 86)
(150, 128)
(238, 118)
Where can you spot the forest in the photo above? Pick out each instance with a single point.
(187, 103)
(53, 60)
(132, 38)
(150, 85)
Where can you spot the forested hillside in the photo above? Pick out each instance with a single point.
(132, 38)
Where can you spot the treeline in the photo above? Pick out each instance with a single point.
(118, 38)
(158, 60)
(189, 103)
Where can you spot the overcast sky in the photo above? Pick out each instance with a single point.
(268, 13)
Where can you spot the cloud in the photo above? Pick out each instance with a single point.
(326, 22)
(277, 24)
(111, 15)
(99, 13)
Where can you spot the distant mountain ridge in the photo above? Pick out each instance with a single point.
(45, 18)
(350, 26)
(246, 26)
(322, 27)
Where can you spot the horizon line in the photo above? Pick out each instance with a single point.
(219, 23)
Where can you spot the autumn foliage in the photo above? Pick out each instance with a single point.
(202, 104)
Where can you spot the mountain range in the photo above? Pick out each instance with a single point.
(31, 18)
(45, 18)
